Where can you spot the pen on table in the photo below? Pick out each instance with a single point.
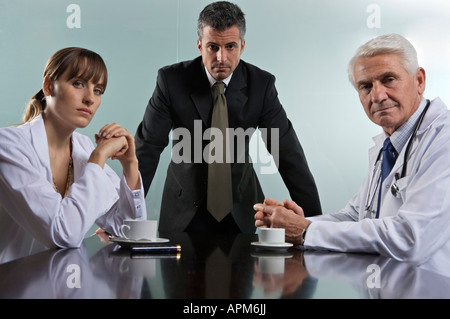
(156, 249)
(156, 256)
(97, 234)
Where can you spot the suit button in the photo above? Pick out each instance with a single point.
(196, 205)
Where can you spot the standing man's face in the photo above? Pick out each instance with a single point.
(221, 51)
(388, 93)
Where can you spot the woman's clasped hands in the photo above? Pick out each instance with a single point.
(115, 142)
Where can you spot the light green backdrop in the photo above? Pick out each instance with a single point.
(305, 44)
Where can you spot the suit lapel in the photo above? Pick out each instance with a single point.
(236, 97)
(202, 97)
(203, 102)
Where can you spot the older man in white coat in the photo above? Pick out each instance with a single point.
(406, 216)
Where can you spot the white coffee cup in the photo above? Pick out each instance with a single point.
(271, 235)
(271, 265)
(139, 229)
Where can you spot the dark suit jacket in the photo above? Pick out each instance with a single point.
(183, 96)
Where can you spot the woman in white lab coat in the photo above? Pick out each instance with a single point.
(54, 183)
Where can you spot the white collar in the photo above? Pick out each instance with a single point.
(213, 81)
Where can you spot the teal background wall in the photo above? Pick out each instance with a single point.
(306, 44)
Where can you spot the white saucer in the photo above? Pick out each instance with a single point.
(142, 242)
(272, 253)
(271, 246)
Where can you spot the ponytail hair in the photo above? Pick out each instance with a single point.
(35, 106)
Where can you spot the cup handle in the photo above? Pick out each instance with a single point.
(122, 232)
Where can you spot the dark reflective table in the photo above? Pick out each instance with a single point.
(213, 267)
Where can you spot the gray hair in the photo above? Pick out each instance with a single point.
(386, 44)
(221, 15)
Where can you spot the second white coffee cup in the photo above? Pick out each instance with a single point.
(139, 229)
(271, 235)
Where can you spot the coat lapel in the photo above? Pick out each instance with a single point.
(80, 156)
(235, 93)
(40, 144)
(236, 98)
(203, 103)
(202, 97)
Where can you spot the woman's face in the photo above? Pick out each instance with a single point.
(72, 102)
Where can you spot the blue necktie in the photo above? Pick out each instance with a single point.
(389, 156)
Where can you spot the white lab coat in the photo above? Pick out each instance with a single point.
(31, 209)
(414, 227)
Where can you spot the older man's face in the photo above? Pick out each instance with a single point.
(388, 93)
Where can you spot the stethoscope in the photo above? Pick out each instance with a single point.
(394, 188)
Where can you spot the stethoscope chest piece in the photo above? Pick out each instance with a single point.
(395, 190)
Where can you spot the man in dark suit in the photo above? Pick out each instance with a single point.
(183, 102)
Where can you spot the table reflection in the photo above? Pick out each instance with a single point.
(15, 242)
(282, 274)
(378, 277)
(68, 273)
(212, 267)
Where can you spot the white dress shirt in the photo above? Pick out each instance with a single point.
(30, 208)
(213, 81)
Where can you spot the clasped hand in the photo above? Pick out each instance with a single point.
(287, 215)
(115, 142)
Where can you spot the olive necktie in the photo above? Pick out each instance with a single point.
(220, 198)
